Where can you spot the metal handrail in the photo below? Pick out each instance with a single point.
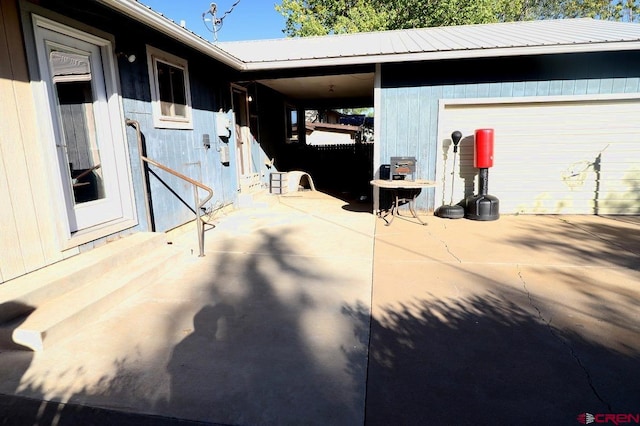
(195, 183)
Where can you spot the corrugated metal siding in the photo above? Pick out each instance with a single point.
(578, 157)
(403, 105)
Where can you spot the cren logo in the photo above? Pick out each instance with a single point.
(586, 418)
(614, 418)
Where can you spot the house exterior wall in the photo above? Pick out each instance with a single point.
(30, 237)
(410, 94)
(180, 149)
(27, 228)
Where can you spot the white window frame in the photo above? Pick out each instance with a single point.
(155, 55)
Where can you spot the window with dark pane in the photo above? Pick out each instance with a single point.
(173, 99)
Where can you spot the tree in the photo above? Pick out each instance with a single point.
(321, 17)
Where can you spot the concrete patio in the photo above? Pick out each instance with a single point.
(311, 312)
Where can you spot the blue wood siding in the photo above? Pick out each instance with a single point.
(410, 95)
(181, 150)
(172, 199)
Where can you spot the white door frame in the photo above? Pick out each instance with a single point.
(82, 223)
(243, 140)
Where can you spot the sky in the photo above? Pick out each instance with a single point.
(248, 20)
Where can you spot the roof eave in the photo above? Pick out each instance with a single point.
(444, 55)
(160, 23)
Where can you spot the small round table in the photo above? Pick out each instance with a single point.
(396, 186)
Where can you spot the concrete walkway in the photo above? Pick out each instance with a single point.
(523, 320)
(310, 312)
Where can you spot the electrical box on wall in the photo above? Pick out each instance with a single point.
(223, 125)
(224, 154)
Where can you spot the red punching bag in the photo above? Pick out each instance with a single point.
(483, 206)
(483, 153)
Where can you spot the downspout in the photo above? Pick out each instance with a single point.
(143, 170)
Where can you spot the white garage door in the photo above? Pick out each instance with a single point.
(551, 156)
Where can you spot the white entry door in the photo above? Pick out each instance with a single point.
(248, 176)
(86, 127)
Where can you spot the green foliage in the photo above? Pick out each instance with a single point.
(367, 112)
(626, 10)
(321, 17)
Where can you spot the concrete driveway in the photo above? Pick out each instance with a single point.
(523, 320)
(311, 311)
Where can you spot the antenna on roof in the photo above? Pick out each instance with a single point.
(216, 23)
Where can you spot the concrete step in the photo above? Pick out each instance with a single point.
(109, 278)
(26, 293)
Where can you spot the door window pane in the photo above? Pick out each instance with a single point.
(75, 100)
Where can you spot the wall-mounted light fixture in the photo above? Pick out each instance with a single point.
(131, 58)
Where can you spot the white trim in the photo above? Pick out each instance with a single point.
(49, 24)
(377, 113)
(113, 105)
(539, 99)
(92, 234)
(148, 16)
(440, 55)
(155, 55)
(157, 21)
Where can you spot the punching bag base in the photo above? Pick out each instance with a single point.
(450, 212)
(482, 207)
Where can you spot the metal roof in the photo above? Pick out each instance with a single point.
(480, 40)
(159, 22)
(465, 41)
(426, 44)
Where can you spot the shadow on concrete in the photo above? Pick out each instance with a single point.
(21, 411)
(617, 240)
(251, 355)
(260, 352)
(487, 361)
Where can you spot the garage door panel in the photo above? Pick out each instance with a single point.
(571, 157)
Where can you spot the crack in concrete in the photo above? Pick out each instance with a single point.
(446, 246)
(572, 352)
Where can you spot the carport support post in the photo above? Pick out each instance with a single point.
(302, 125)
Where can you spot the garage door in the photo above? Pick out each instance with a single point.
(550, 156)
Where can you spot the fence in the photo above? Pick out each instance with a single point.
(342, 170)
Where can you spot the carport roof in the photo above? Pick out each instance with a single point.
(335, 54)
(467, 41)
